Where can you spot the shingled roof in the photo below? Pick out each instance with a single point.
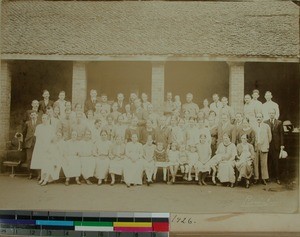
(150, 28)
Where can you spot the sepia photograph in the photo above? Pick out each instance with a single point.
(152, 106)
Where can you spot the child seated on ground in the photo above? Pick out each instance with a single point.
(161, 160)
(183, 162)
(173, 156)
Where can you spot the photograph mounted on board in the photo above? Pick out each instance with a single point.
(159, 106)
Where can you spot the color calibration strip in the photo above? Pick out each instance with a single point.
(87, 224)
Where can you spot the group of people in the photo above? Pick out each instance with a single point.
(104, 139)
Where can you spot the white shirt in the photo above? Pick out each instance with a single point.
(267, 106)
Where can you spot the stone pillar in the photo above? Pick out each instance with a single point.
(236, 85)
(79, 83)
(5, 95)
(158, 86)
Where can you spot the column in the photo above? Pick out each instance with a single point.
(236, 85)
(79, 83)
(158, 86)
(5, 95)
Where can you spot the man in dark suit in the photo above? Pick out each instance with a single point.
(29, 138)
(46, 102)
(91, 102)
(121, 104)
(275, 145)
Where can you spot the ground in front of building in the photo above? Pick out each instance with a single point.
(19, 193)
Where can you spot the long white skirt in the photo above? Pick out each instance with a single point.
(214, 161)
(52, 168)
(102, 167)
(133, 171)
(71, 166)
(148, 167)
(116, 166)
(88, 166)
(226, 172)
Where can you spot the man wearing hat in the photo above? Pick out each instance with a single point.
(276, 145)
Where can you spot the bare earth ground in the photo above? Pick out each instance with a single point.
(19, 194)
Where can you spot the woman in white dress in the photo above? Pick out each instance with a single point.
(120, 128)
(44, 134)
(86, 157)
(116, 155)
(101, 153)
(71, 163)
(245, 157)
(227, 153)
(133, 165)
(52, 163)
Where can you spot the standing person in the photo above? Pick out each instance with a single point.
(90, 121)
(148, 159)
(120, 102)
(147, 131)
(226, 127)
(154, 117)
(262, 141)
(276, 145)
(213, 129)
(177, 104)
(101, 153)
(98, 127)
(245, 128)
(104, 103)
(238, 121)
(204, 154)
(61, 103)
(178, 133)
(140, 113)
(226, 109)
(65, 125)
(79, 125)
(132, 129)
(163, 132)
(270, 105)
(46, 102)
(161, 160)
(168, 105)
(52, 164)
(145, 101)
(249, 110)
(192, 133)
(53, 121)
(43, 135)
(85, 154)
(109, 127)
(245, 157)
(34, 107)
(91, 101)
(216, 105)
(256, 103)
(120, 128)
(133, 96)
(71, 163)
(190, 106)
(115, 113)
(30, 139)
(173, 157)
(127, 115)
(133, 165)
(205, 108)
(227, 152)
(116, 155)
